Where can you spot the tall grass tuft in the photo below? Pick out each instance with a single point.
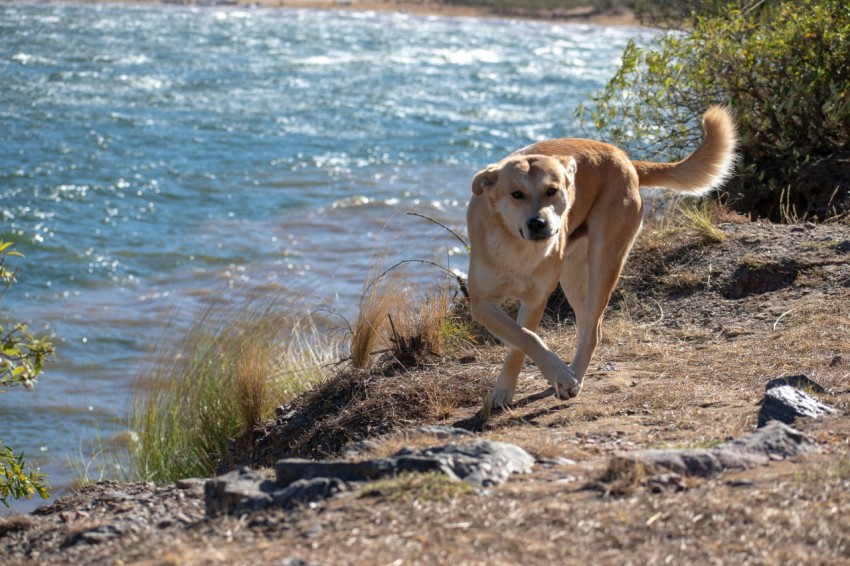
(409, 325)
(375, 305)
(698, 215)
(228, 374)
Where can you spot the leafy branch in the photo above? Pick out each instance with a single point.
(15, 482)
(22, 356)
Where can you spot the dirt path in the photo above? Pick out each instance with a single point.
(695, 332)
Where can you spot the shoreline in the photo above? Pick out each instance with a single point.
(623, 17)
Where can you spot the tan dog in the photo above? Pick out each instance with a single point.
(568, 210)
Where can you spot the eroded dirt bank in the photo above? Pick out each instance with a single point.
(695, 332)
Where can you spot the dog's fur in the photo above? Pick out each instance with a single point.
(568, 210)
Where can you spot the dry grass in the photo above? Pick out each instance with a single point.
(697, 215)
(375, 306)
(252, 370)
(226, 376)
(406, 324)
(415, 488)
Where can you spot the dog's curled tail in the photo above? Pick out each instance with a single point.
(706, 168)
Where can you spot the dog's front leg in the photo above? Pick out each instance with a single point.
(503, 393)
(523, 341)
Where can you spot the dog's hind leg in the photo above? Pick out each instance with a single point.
(503, 393)
(605, 254)
(574, 277)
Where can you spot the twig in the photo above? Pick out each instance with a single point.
(443, 226)
(459, 278)
(395, 334)
(660, 316)
(781, 316)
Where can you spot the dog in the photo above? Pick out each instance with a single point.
(568, 210)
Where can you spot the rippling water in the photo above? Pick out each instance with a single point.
(155, 159)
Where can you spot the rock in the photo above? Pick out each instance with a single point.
(786, 398)
(775, 441)
(300, 481)
(238, 491)
(479, 463)
(307, 491)
(245, 490)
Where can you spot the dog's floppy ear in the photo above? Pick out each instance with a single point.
(569, 164)
(485, 179)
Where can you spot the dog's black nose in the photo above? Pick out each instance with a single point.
(536, 225)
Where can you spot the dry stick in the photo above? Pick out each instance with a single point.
(459, 278)
(660, 316)
(395, 335)
(441, 225)
(783, 316)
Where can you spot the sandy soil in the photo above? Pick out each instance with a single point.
(696, 330)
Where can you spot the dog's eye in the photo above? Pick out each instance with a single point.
(517, 194)
(552, 191)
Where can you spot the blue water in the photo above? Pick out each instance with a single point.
(157, 159)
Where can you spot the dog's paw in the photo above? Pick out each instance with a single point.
(564, 382)
(500, 398)
(565, 394)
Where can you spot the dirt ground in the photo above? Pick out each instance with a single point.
(695, 331)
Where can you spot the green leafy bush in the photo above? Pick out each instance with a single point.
(783, 69)
(21, 359)
(17, 480)
(21, 353)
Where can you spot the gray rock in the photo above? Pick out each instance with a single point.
(775, 441)
(787, 398)
(302, 492)
(303, 481)
(238, 491)
(245, 490)
(479, 463)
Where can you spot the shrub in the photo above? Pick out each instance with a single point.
(21, 353)
(17, 480)
(21, 359)
(781, 67)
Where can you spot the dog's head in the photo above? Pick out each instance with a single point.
(529, 192)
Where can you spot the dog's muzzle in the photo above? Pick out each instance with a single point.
(538, 228)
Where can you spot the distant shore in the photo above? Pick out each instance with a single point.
(621, 17)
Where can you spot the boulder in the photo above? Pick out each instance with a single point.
(787, 398)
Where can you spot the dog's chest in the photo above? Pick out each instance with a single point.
(519, 268)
